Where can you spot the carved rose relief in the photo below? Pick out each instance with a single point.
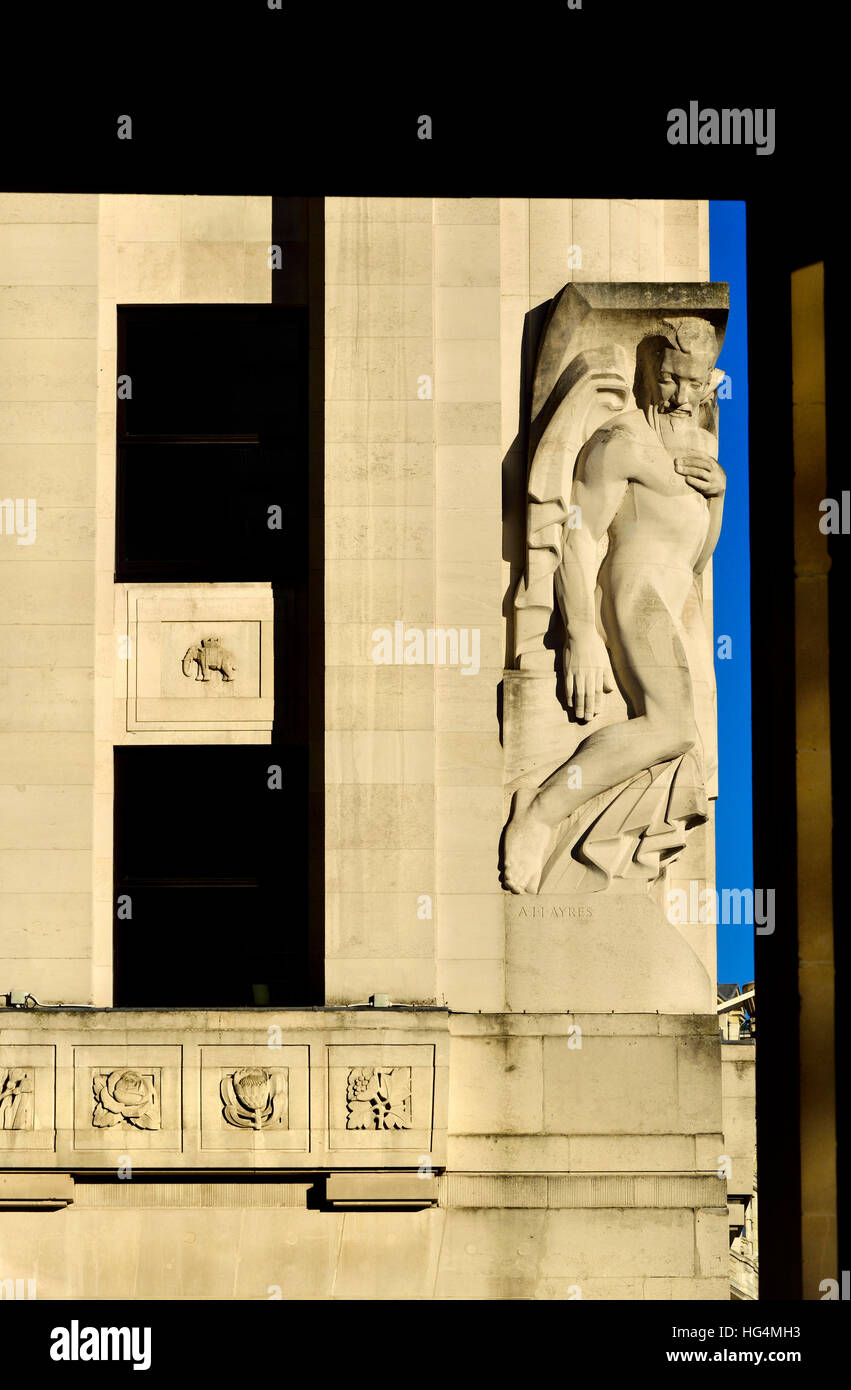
(126, 1097)
(253, 1098)
(379, 1098)
(16, 1098)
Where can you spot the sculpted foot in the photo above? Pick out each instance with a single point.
(527, 843)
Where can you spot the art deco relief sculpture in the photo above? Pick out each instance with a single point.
(625, 496)
(16, 1098)
(126, 1097)
(209, 655)
(253, 1098)
(379, 1098)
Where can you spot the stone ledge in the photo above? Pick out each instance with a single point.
(381, 1190)
(619, 1190)
(62, 1018)
(35, 1191)
(191, 1196)
(545, 1024)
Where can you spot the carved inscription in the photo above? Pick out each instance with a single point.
(556, 912)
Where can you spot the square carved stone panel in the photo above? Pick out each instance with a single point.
(255, 1098)
(27, 1096)
(194, 658)
(381, 1097)
(225, 1089)
(127, 1099)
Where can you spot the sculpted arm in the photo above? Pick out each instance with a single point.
(598, 490)
(716, 507)
(705, 474)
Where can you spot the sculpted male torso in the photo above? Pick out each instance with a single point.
(651, 483)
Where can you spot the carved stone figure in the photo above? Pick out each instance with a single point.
(209, 655)
(253, 1098)
(125, 1097)
(16, 1097)
(379, 1098)
(624, 512)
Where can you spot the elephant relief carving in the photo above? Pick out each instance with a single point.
(208, 656)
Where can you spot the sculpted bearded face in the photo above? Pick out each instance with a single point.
(683, 368)
(681, 383)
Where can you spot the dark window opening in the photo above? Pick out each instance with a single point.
(219, 877)
(209, 873)
(212, 443)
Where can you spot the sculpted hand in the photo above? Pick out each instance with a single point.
(586, 673)
(703, 473)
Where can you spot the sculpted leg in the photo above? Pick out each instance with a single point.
(609, 756)
(527, 843)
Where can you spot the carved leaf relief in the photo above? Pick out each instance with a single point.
(379, 1098)
(16, 1098)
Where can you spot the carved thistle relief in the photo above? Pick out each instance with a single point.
(253, 1098)
(126, 1098)
(16, 1098)
(209, 655)
(379, 1098)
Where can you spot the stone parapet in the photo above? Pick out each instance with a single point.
(352, 1088)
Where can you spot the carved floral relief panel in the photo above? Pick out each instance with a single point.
(27, 1091)
(381, 1096)
(255, 1097)
(16, 1097)
(128, 1098)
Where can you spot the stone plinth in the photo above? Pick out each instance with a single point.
(599, 953)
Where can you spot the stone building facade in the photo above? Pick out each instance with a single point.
(478, 1094)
